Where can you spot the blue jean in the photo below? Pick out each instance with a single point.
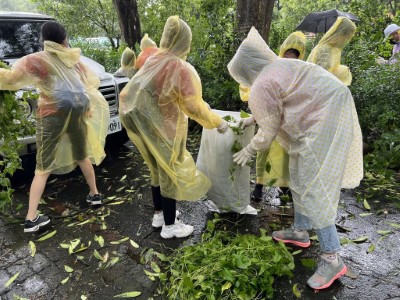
(327, 236)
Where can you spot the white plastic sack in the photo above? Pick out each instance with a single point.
(229, 191)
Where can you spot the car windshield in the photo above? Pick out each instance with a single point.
(19, 38)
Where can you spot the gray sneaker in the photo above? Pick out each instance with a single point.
(327, 272)
(291, 236)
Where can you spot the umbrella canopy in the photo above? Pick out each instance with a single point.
(323, 20)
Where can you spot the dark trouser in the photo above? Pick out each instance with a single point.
(167, 205)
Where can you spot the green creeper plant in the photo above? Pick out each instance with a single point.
(13, 125)
(226, 266)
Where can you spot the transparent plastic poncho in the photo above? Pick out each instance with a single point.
(147, 48)
(297, 104)
(272, 165)
(328, 51)
(72, 116)
(154, 109)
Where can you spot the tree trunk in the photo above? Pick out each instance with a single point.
(128, 14)
(257, 13)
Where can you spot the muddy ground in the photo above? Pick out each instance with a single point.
(373, 262)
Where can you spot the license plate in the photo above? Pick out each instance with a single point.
(115, 125)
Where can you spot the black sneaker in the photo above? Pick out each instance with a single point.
(34, 225)
(257, 193)
(95, 199)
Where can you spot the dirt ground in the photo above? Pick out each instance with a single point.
(91, 270)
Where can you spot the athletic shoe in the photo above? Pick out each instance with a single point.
(178, 230)
(34, 225)
(327, 272)
(95, 199)
(291, 236)
(158, 219)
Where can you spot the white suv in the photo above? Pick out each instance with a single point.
(20, 35)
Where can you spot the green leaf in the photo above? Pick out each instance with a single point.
(384, 232)
(361, 239)
(128, 295)
(244, 114)
(64, 281)
(97, 255)
(123, 178)
(366, 205)
(120, 241)
(100, 240)
(134, 244)
(11, 280)
(308, 262)
(227, 285)
(394, 225)
(68, 269)
(365, 214)
(297, 252)
(47, 236)
(33, 248)
(371, 248)
(296, 291)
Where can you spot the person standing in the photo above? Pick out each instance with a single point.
(310, 113)
(275, 157)
(154, 109)
(392, 33)
(328, 51)
(72, 116)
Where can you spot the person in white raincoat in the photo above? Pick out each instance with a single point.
(293, 47)
(72, 116)
(310, 113)
(154, 109)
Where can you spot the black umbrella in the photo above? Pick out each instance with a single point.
(323, 20)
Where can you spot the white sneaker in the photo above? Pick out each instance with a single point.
(178, 230)
(158, 219)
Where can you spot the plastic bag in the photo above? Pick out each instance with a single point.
(230, 190)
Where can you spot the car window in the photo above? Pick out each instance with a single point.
(19, 38)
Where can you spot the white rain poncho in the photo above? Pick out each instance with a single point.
(154, 109)
(276, 158)
(328, 51)
(72, 116)
(311, 114)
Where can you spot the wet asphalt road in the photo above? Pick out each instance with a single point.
(124, 180)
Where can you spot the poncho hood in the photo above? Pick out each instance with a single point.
(69, 56)
(250, 58)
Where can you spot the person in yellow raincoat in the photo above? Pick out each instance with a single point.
(310, 113)
(275, 157)
(154, 109)
(328, 51)
(130, 64)
(71, 119)
(147, 48)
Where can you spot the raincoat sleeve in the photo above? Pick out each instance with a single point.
(266, 105)
(191, 101)
(28, 70)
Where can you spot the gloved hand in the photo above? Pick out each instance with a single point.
(223, 126)
(244, 155)
(243, 123)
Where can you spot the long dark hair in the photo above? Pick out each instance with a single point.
(53, 31)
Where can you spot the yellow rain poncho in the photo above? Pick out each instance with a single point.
(276, 157)
(147, 48)
(154, 109)
(328, 51)
(72, 116)
(309, 112)
(128, 62)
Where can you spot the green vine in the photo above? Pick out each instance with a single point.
(226, 266)
(14, 124)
